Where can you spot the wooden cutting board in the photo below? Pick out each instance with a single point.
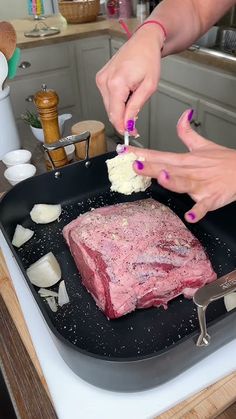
(18, 360)
(207, 404)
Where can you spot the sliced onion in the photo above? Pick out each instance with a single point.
(52, 304)
(230, 301)
(45, 213)
(43, 292)
(62, 294)
(45, 272)
(21, 235)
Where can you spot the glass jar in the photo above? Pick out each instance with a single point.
(141, 11)
(125, 9)
(112, 9)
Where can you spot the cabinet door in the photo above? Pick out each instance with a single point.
(217, 124)
(91, 55)
(167, 105)
(116, 44)
(24, 89)
(58, 74)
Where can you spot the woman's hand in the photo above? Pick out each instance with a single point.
(207, 172)
(131, 76)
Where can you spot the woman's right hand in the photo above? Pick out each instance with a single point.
(131, 76)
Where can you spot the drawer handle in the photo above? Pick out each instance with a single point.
(24, 65)
(30, 98)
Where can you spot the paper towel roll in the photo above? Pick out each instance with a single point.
(9, 137)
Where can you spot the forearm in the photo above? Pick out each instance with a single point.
(186, 20)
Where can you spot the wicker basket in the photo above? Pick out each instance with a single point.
(80, 11)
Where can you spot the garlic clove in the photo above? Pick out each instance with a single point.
(62, 294)
(45, 272)
(52, 303)
(21, 235)
(43, 292)
(230, 301)
(45, 213)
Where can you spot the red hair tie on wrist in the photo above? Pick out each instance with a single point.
(155, 22)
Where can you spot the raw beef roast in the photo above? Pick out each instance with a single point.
(136, 255)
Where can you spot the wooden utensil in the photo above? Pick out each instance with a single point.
(7, 39)
(28, 387)
(8, 294)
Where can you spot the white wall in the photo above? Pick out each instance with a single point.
(17, 9)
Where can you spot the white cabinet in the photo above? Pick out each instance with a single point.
(143, 122)
(212, 121)
(116, 44)
(167, 104)
(38, 67)
(210, 92)
(91, 55)
(53, 65)
(217, 123)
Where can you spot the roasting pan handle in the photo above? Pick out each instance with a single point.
(211, 292)
(70, 139)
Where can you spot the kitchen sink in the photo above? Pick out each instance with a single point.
(220, 39)
(208, 40)
(226, 40)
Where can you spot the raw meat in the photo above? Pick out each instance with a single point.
(136, 255)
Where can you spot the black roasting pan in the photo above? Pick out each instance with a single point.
(146, 347)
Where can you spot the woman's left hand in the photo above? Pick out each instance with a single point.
(207, 172)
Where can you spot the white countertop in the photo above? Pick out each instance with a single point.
(74, 398)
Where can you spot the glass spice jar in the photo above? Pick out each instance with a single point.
(112, 9)
(125, 9)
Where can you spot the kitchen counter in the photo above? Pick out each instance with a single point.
(103, 26)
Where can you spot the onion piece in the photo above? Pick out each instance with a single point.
(52, 303)
(43, 292)
(62, 294)
(45, 272)
(45, 213)
(230, 301)
(21, 235)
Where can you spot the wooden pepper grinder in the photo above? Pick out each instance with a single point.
(46, 101)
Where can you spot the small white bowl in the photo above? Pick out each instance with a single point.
(16, 157)
(19, 172)
(38, 133)
(70, 149)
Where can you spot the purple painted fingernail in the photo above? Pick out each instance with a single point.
(190, 115)
(139, 165)
(191, 216)
(166, 174)
(121, 148)
(130, 125)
